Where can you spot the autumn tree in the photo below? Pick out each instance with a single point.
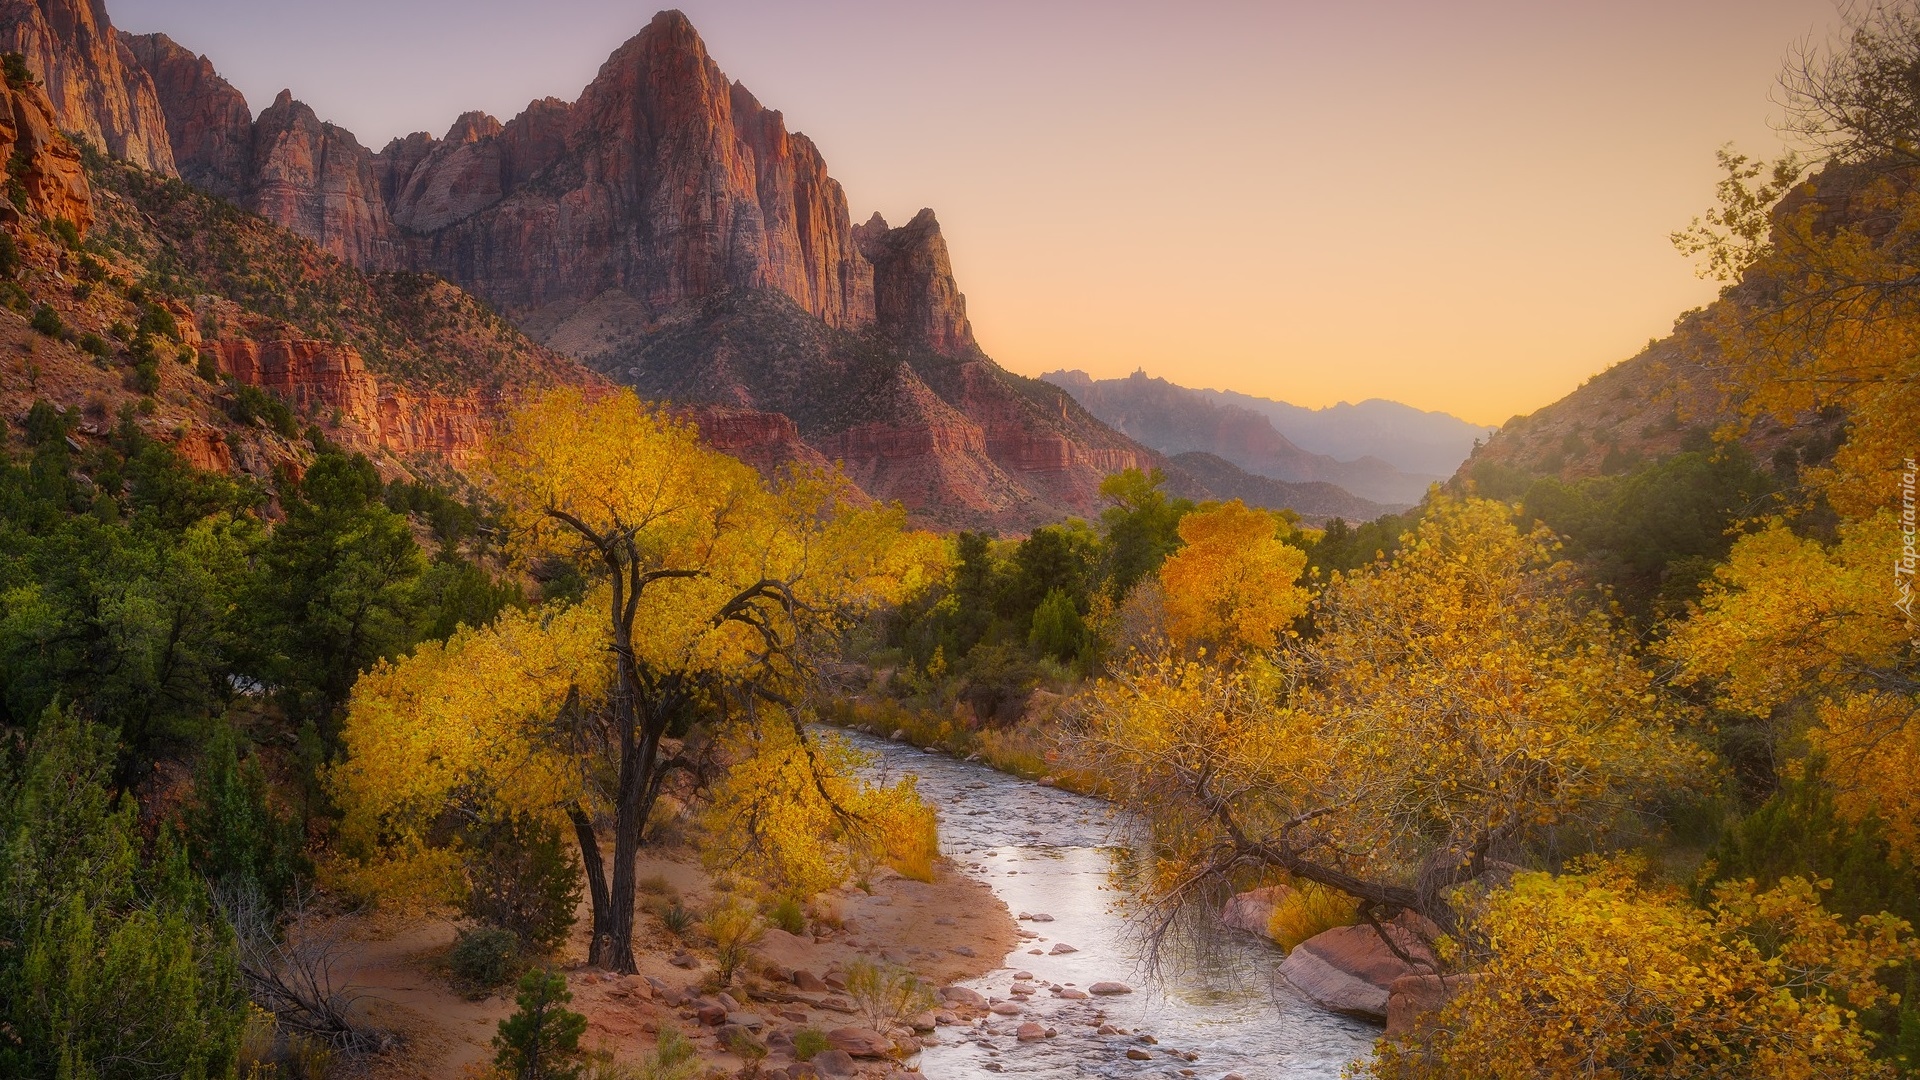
(1598, 975)
(1808, 636)
(708, 591)
(1452, 706)
(1232, 585)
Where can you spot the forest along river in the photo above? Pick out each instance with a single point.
(1051, 853)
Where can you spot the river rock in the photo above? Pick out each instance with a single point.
(834, 1063)
(1252, 911)
(1061, 949)
(1411, 997)
(1109, 988)
(923, 1022)
(960, 995)
(1030, 1032)
(1349, 969)
(1134, 1053)
(1006, 1008)
(1073, 995)
(860, 1042)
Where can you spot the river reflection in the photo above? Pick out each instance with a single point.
(1053, 854)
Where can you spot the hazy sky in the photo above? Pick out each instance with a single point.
(1463, 206)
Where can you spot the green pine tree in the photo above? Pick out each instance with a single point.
(542, 1040)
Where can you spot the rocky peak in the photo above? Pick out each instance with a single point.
(316, 179)
(472, 127)
(95, 86)
(915, 297)
(209, 126)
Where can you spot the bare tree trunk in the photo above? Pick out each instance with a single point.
(598, 899)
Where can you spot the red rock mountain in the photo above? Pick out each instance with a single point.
(664, 227)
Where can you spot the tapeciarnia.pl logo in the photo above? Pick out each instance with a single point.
(1903, 567)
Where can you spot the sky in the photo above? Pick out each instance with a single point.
(1463, 206)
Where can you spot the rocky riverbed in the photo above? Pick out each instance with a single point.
(1076, 998)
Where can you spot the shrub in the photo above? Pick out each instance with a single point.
(208, 367)
(91, 342)
(47, 321)
(673, 915)
(1308, 908)
(158, 321)
(787, 916)
(735, 928)
(236, 838)
(809, 1041)
(250, 403)
(14, 66)
(673, 1057)
(144, 378)
(542, 1040)
(9, 255)
(887, 994)
(657, 885)
(46, 423)
(484, 956)
(66, 232)
(522, 877)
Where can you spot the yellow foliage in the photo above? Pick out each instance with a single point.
(796, 816)
(1308, 908)
(1789, 622)
(1596, 976)
(461, 723)
(1452, 700)
(1232, 585)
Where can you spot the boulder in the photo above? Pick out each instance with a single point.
(860, 1042)
(1252, 911)
(1006, 1008)
(1061, 949)
(960, 995)
(807, 981)
(791, 952)
(1109, 988)
(834, 1063)
(1030, 1032)
(1349, 969)
(1411, 997)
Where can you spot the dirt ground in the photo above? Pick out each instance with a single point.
(950, 929)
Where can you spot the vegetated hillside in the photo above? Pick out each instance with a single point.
(1412, 440)
(226, 335)
(1314, 500)
(1175, 420)
(1664, 399)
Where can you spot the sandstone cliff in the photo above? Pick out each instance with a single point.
(52, 182)
(97, 87)
(209, 126)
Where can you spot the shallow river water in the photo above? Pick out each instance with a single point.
(1053, 853)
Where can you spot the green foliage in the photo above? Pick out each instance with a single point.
(66, 232)
(93, 343)
(674, 1057)
(236, 838)
(541, 1041)
(159, 322)
(1058, 631)
(809, 1042)
(9, 255)
(207, 366)
(145, 377)
(246, 404)
(46, 424)
(1343, 547)
(47, 321)
(1654, 535)
(787, 916)
(484, 956)
(111, 965)
(14, 66)
(1141, 527)
(523, 878)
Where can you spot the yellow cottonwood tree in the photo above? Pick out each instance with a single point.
(1595, 975)
(1232, 585)
(1451, 705)
(1795, 628)
(709, 591)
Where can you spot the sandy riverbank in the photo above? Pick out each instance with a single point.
(946, 930)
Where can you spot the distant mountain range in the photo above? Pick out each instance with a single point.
(1378, 450)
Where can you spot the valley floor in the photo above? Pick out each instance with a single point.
(947, 930)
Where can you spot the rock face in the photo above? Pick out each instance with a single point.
(1350, 970)
(209, 126)
(95, 84)
(671, 231)
(53, 181)
(915, 297)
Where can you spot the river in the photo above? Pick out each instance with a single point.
(1052, 853)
